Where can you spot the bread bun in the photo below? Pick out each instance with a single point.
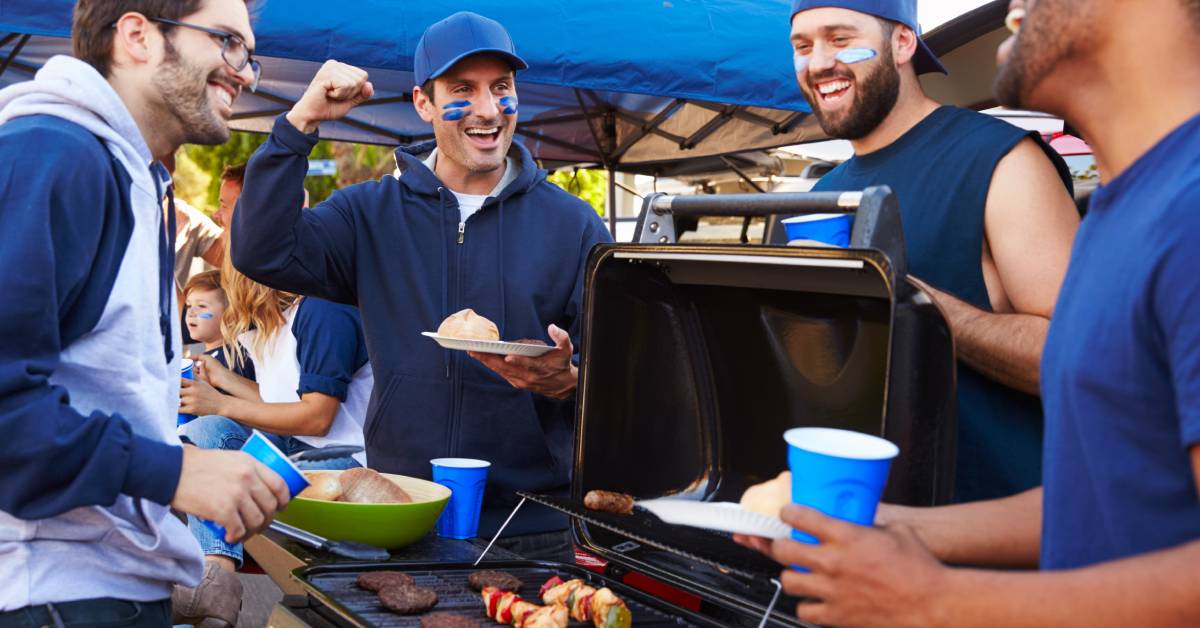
(367, 486)
(769, 497)
(468, 325)
(322, 486)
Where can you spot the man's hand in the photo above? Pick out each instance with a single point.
(551, 374)
(231, 488)
(198, 397)
(859, 576)
(334, 91)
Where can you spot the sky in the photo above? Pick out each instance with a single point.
(933, 13)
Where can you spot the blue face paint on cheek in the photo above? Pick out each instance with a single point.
(456, 110)
(205, 316)
(848, 56)
(855, 55)
(508, 105)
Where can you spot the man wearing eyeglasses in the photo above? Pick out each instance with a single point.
(89, 343)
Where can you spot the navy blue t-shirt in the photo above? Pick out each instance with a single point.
(1121, 367)
(941, 171)
(329, 346)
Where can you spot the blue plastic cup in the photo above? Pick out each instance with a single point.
(263, 450)
(185, 371)
(838, 472)
(831, 229)
(465, 478)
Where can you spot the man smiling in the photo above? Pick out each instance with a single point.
(476, 224)
(987, 220)
(89, 339)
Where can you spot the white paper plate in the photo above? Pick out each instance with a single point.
(723, 516)
(489, 346)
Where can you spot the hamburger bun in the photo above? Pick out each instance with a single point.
(467, 325)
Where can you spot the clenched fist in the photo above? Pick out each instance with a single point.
(334, 91)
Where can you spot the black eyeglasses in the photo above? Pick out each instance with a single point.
(233, 48)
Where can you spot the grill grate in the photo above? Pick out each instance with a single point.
(336, 583)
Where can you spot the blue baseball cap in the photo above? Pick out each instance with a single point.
(457, 37)
(902, 11)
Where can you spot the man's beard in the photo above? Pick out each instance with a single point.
(1054, 30)
(185, 95)
(874, 97)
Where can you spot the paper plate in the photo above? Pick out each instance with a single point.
(489, 346)
(723, 516)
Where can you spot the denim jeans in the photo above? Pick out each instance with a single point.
(218, 432)
(107, 612)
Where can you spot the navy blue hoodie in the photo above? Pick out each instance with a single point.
(393, 248)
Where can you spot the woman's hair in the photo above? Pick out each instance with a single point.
(251, 306)
(207, 281)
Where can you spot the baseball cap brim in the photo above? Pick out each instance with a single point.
(925, 61)
(516, 62)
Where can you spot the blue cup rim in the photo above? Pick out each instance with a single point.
(460, 463)
(836, 443)
(813, 218)
(288, 461)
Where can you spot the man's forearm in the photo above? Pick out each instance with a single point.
(1157, 589)
(1005, 347)
(996, 533)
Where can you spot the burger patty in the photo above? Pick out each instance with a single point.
(447, 620)
(407, 599)
(376, 580)
(499, 579)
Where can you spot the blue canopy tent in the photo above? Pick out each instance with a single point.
(625, 85)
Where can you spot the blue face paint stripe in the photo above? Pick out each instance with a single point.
(509, 105)
(205, 316)
(848, 56)
(456, 110)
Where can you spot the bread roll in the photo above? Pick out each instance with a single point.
(322, 486)
(769, 497)
(367, 486)
(468, 325)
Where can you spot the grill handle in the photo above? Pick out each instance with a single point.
(875, 209)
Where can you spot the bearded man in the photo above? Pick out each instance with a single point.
(1115, 529)
(987, 213)
(89, 337)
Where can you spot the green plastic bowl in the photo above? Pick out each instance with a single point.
(391, 526)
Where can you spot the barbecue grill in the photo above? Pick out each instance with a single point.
(694, 361)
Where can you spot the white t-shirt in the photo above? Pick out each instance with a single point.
(468, 204)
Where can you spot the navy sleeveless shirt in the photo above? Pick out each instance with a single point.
(940, 171)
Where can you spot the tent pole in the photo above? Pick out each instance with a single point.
(612, 202)
(15, 51)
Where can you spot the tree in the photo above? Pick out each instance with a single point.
(589, 185)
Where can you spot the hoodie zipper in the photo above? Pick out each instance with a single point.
(462, 231)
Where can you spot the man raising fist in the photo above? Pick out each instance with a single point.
(474, 224)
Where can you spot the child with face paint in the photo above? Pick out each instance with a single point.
(205, 303)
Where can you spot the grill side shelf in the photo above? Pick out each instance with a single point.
(709, 548)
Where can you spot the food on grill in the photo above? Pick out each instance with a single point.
(609, 501)
(506, 607)
(561, 591)
(498, 579)
(322, 486)
(553, 616)
(1014, 18)
(585, 603)
(468, 325)
(366, 486)
(376, 580)
(407, 599)
(610, 611)
(447, 620)
(769, 497)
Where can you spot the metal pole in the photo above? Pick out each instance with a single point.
(612, 202)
